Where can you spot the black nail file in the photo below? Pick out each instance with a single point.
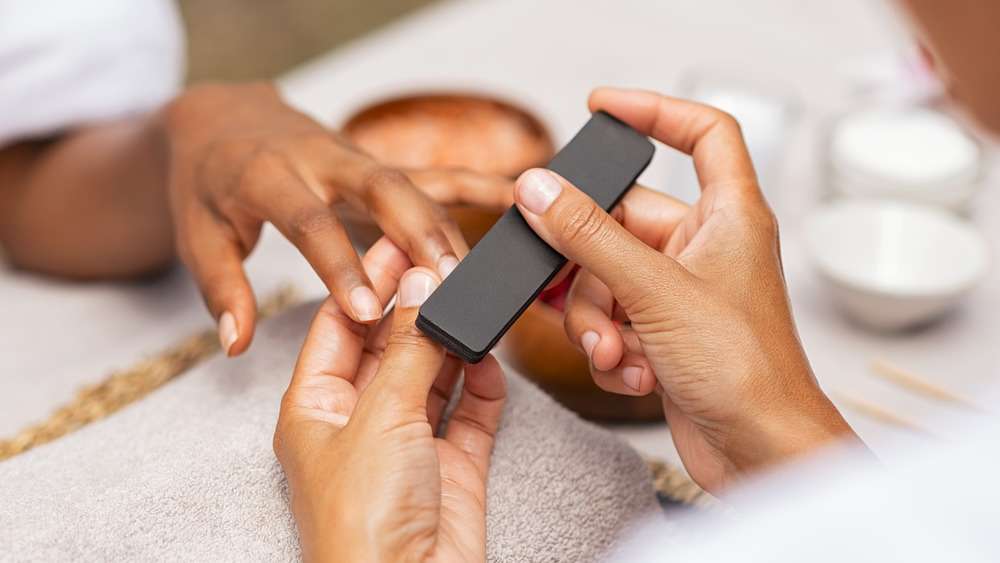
(511, 265)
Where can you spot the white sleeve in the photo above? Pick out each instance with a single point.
(937, 502)
(66, 63)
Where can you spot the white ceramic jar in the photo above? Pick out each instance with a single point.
(908, 152)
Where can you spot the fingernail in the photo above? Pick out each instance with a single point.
(538, 189)
(365, 304)
(228, 334)
(415, 289)
(589, 341)
(447, 265)
(632, 376)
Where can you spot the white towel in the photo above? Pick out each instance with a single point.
(188, 474)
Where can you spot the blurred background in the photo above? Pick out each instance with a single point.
(260, 39)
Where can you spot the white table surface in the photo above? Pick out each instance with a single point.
(548, 55)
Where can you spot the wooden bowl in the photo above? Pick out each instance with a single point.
(473, 132)
(452, 131)
(449, 130)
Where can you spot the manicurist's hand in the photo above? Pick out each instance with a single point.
(702, 287)
(239, 156)
(369, 480)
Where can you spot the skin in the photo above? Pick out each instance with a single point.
(709, 324)
(198, 179)
(357, 434)
(961, 36)
(89, 205)
(739, 395)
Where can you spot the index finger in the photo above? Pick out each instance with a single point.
(414, 221)
(711, 136)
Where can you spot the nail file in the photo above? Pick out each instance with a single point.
(475, 305)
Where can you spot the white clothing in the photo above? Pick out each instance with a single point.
(936, 503)
(67, 63)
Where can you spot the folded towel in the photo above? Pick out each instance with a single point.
(189, 474)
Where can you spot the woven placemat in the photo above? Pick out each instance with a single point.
(674, 486)
(125, 387)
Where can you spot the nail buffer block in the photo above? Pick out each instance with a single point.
(473, 308)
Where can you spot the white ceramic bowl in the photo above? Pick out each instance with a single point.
(895, 264)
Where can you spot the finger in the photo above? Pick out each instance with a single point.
(411, 362)
(415, 222)
(458, 244)
(650, 215)
(465, 187)
(322, 381)
(631, 339)
(335, 341)
(213, 254)
(711, 136)
(374, 349)
(396, 262)
(632, 376)
(572, 223)
(473, 426)
(619, 315)
(443, 389)
(385, 263)
(588, 321)
(309, 224)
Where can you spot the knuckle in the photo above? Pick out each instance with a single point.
(319, 140)
(767, 224)
(406, 335)
(384, 187)
(311, 222)
(383, 181)
(262, 166)
(264, 162)
(585, 225)
(440, 214)
(725, 120)
(757, 222)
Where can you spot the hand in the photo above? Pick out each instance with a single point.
(356, 434)
(239, 156)
(710, 325)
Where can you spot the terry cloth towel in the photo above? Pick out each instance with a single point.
(189, 474)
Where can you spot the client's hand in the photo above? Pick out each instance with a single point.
(356, 434)
(240, 156)
(702, 287)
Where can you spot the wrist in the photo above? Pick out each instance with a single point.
(783, 434)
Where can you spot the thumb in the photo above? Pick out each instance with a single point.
(572, 223)
(410, 362)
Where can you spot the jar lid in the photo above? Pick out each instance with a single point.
(903, 149)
